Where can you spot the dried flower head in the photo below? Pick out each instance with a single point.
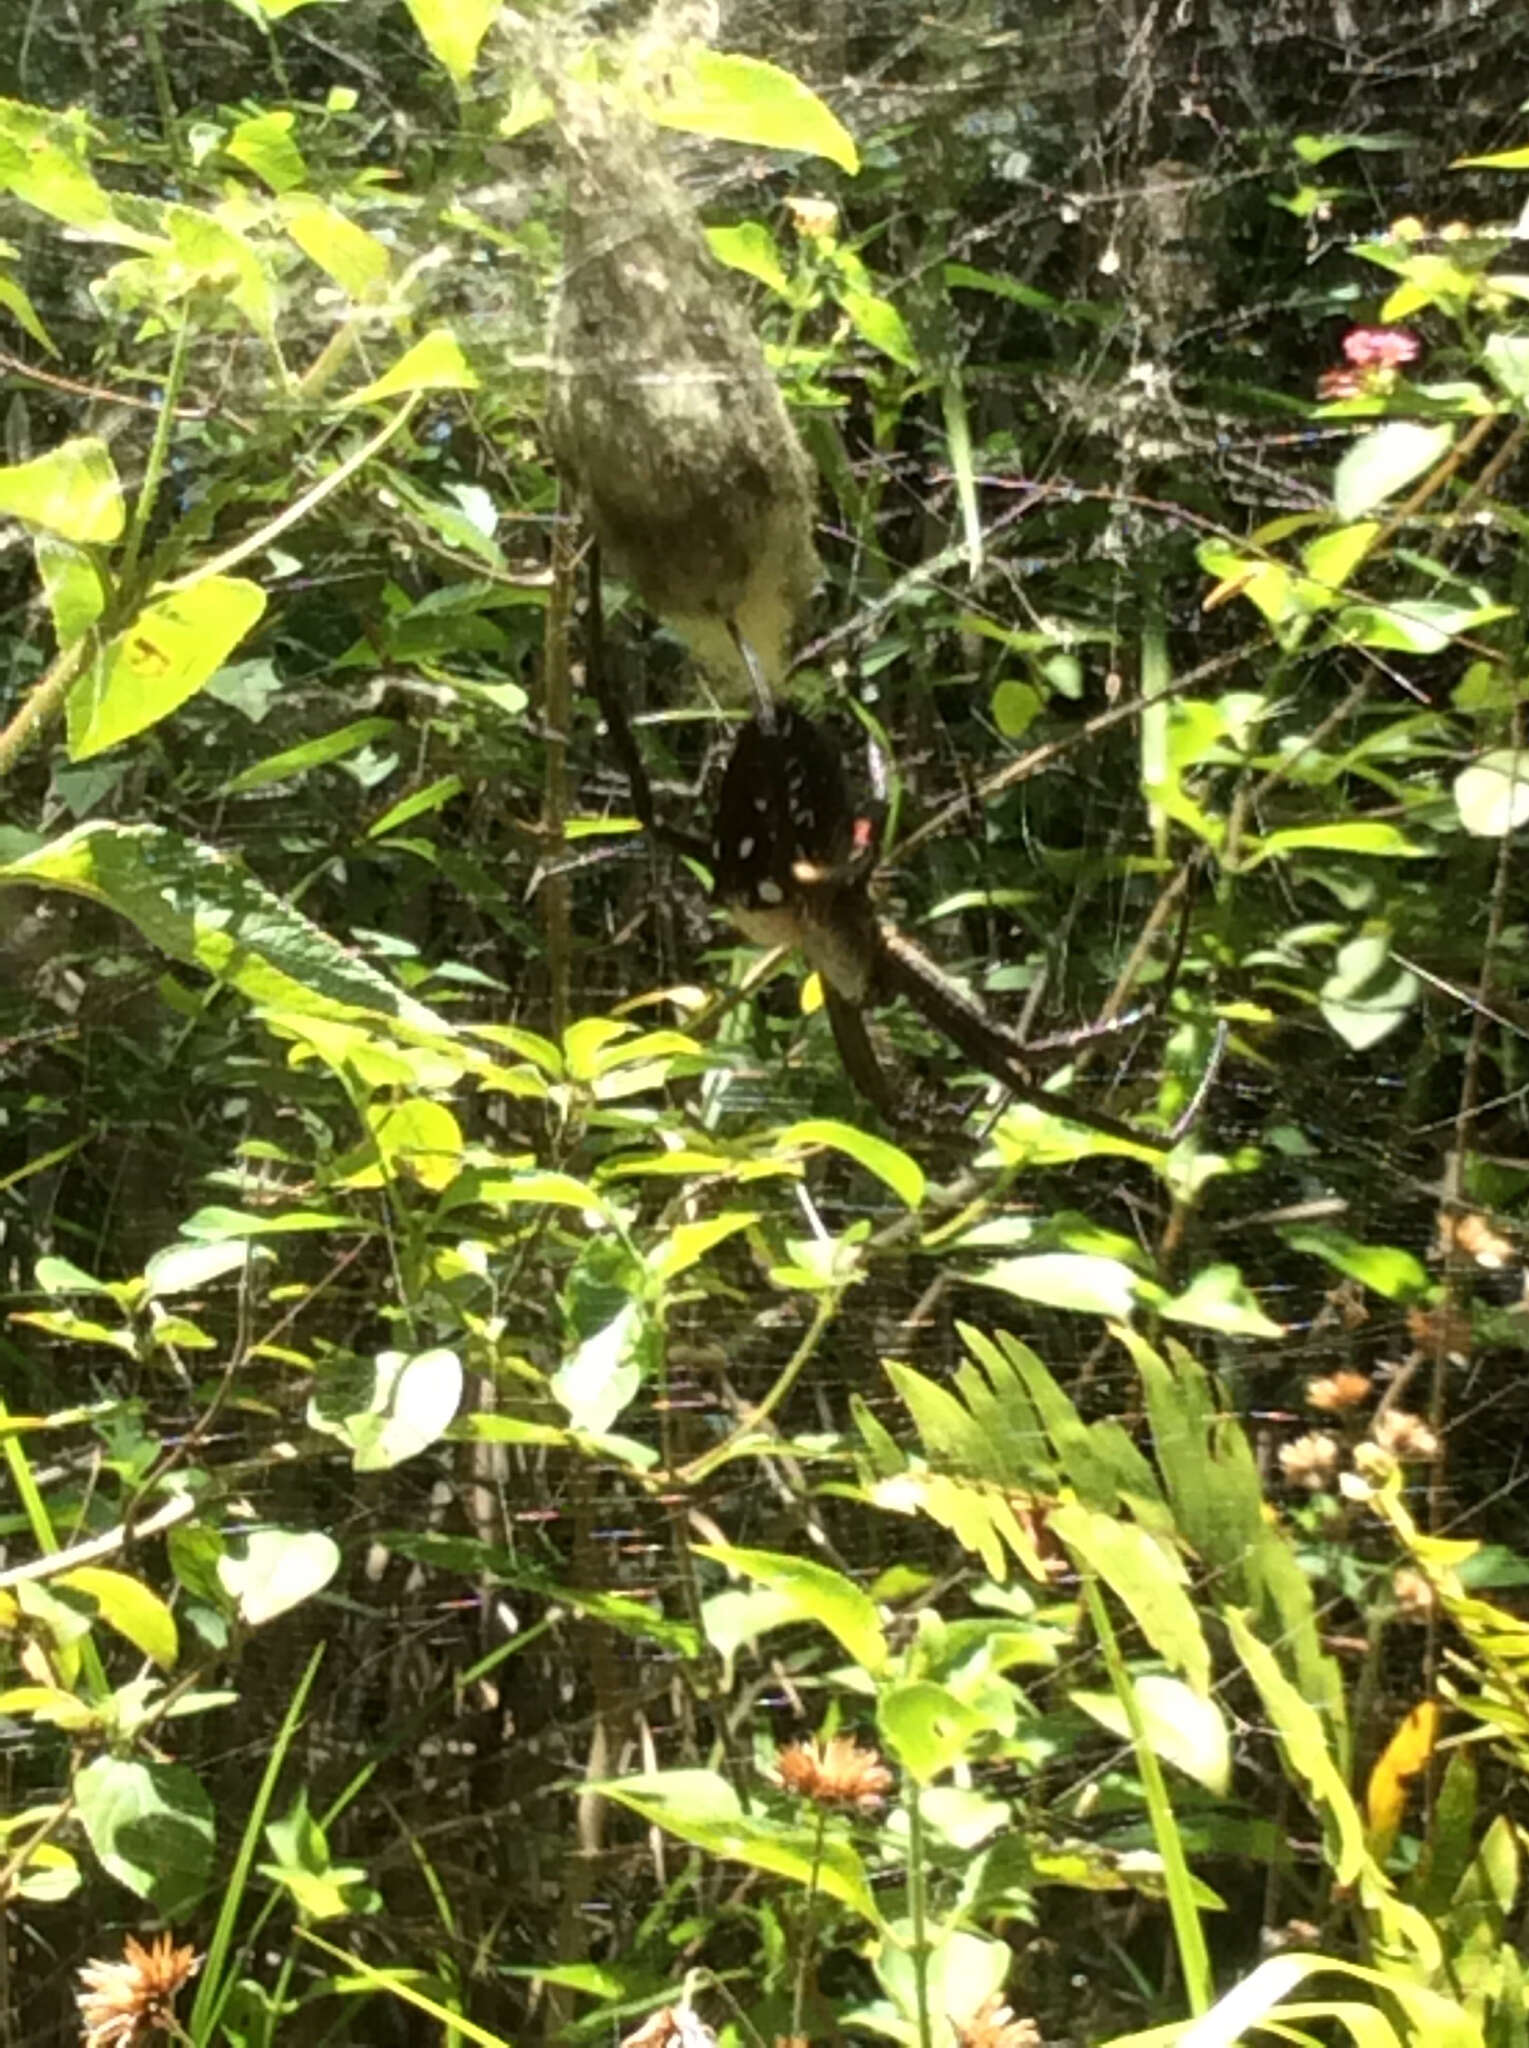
(122, 2003)
(814, 219)
(1406, 1437)
(1415, 1597)
(1473, 1235)
(1310, 1461)
(1373, 1465)
(993, 2025)
(1380, 348)
(837, 1772)
(1337, 1392)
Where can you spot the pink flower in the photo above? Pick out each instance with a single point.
(1381, 348)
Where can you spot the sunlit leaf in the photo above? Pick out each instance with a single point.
(1183, 1727)
(163, 657)
(280, 1569)
(1382, 461)
(926, 1727)
(409, 1404)
(1405, 1756)
(743, 99)
(750, 247)
(264, 144)
(356, 260)
(1387, 1269)
(434, 364)
(1492, 795)
(454, 30)
(1075, 1280)
(1218, 1298)
(820, 1594)
(151, 1825)
(127, 1605)
(1149, 1577)
(72, 491)
(901, 1173)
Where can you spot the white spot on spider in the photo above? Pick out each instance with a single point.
(761, 804)
(716, 849)
(745, 848)
(771, 892)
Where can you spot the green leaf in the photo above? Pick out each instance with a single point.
(1381, 461)
(688, 1243)
(1417, 625)
(1184, 1728)
(1333, 557)
(24, 313)
(820, 1594)
(1386, 1269)
(202, 908)
(902, 1174)
(314, 753)
(1218, 1298)
(1506, 356)
(43, 161)
(743, 99)
(750, 247)
(1015, 708)
(927, 1727)
(264, 145)
(600, 1381)
(878, 321)
(72, 491)
(454, 30)
(430, 798)
(1361, 1000)
(72, 584)
(434, 364)
(417, 1139)
(279, 1570)
(164, 657)
(129, 1607)
(1075, 1280)
(408, 1404)
(151, 1826)
(702, 1808)
(1358, 835)
(187, 1268)
(1148, 1577)
(342, 249)
(1492, 795)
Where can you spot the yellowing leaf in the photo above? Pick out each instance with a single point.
(1404, 1757)
(128, 1606)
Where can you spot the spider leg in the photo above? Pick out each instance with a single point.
(623, 740)
(764, 699)
(856, 1053)
(907, 971)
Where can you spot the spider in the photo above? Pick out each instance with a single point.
(792, 862)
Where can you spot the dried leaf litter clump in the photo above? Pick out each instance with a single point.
(663, 413)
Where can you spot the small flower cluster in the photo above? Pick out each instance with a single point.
(1372, 356)
(837, 1772)
(1396, 1437)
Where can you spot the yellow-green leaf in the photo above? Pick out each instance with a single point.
(161, 659)
(345, 251)
(71, 491)
(127, 1605)
(743, 99)
(454, 30)
(902, 1174)
(434, 364)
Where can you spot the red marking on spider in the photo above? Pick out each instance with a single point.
(864, 833)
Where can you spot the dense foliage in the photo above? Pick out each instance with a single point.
(531, 1505)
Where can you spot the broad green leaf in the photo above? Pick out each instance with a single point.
(434, 364)
(280, 1569)
(1015, 708)
(1362, 1000)
(203, 908)
(187, 1268)
(1075, 1280)
(750, 247)
(454, 30)
(264, 145)
(878, 321)
(214, 1224)
(43, 161)
(1492, 795)
(409, 1404)
(128, 1606)
(1382, 461)
(344, 250)
(1218, 1298)
(599, 1382)
(151, 1825)
(72, 491)
(820, 1594)
(902, 1174)
(417, 1139)
(743, 99)
(1372, 837)
(1416, 625)
(1183, 1728)
(315, 753)
(1150, 1579)
(71, 583)
(1386, 1269)
(927, 1727)
(688, 1243)
(163, 657)
(1332, 558)
(1506, 356)
(702, 1808)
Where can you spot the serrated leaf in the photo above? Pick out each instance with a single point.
(743, 99)
(165, 656)
(280, 1569)
(72, 491)
(1382, 461)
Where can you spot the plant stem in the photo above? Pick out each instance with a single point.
(917, 1914)
(159, 448)
(808, 1930)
